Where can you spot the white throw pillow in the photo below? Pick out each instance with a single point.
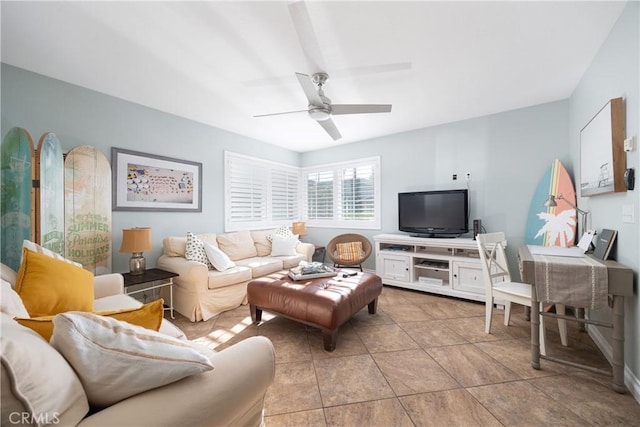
(11, 303)
(115, 359)
(284, 245)
(37, 378)
(195, 250)
(219, 259)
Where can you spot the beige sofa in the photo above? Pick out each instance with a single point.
(200, 293)
(231, 394)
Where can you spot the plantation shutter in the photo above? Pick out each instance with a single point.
(357, 201)
(320, 195)
(246, 192)
(259, 194)
(284, 194)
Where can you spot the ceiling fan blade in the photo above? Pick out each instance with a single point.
(306, 35)
(284, 112)
(309, 89)
(331, 129)
(360, 108)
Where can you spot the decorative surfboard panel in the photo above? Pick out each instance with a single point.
(18, 196)
(50, 193)
(552, 226)
(87, 182)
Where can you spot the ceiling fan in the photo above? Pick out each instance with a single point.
(320, 107)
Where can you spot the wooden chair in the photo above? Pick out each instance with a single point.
(355, 261)
(498, 285)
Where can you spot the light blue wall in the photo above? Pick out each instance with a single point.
(506, 154)
(615, 73)
(80, 116)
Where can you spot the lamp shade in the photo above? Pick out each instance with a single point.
(551, 201)
(136, 240)
(299, 228)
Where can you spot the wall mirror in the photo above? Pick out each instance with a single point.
(602, 157)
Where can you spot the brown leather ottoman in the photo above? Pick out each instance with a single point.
(325, 303)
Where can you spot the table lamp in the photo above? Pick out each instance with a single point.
(136, 240)
(299, 228)
(551, 202)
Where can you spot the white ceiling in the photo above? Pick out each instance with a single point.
(221, 63)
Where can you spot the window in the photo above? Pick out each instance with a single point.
(262, 194)
(343, 194)
(259, 193)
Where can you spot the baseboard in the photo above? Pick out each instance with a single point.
(630, 380)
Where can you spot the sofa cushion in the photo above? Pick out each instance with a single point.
(291, 260)
(237, 245)
(281, 245)
(261, 266)
(50, 286)
(132, 359)
(195, 250)
(177, 245)
(36, 379)
(262, 241)
(174, 245)
(8, 274)
(10, 302)
(220, 279)
(148, 316)
(219, 259)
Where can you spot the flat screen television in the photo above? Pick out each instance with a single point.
(443, 213)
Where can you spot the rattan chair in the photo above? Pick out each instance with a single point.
(332, 251)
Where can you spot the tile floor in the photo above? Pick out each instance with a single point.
(424, 360)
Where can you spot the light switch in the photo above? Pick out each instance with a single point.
(628, 214)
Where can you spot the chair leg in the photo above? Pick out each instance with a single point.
(507, 313)
(562, 325)
(488, 314)
(542, 334)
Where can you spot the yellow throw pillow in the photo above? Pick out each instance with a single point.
(49, 286)
(148, 316)
(350, 251)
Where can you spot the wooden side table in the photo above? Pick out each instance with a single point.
(148, 281)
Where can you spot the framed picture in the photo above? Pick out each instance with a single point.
(602, 157)
(145, 182)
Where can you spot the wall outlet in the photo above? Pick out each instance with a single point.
(468, 176)
(455, 176)
(629, 144)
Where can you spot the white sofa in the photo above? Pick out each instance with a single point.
(200, 293)
(231, 394)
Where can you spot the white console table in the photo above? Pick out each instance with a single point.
(447, 266)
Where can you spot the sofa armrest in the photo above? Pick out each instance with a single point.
(193, 275)
(231, 394)
(107, 285)
(306, 249)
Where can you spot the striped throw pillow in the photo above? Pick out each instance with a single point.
(350, 251)
(34, 247)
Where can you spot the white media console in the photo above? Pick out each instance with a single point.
(448, 266)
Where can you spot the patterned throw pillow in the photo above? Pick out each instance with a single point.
(195, 250)
(283, 231)
(350, 251)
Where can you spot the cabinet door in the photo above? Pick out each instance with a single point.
(395, 267)
(467, 277)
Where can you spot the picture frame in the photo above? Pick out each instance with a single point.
(147, 182)
(602, 156)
